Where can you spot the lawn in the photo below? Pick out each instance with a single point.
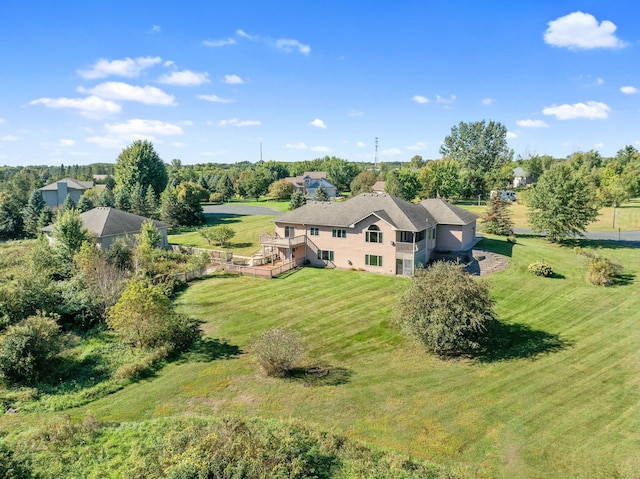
(560, 399)
(627, 216)
(247, 228)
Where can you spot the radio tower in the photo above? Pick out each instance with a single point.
(375, 159)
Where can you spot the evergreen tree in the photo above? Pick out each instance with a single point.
(67, 204)
(320, 194)
(151, 203)
(85, 204)
(225, 187)
(45, 218)
(107, 199)
(69, 233)
(297, 200)
(497, 219)
(10, 217)
(123, 199)
(31, 213)
(138, 203)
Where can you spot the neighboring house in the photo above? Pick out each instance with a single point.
(378, 187)
(310, 181)
(54, 194)
(107, 224)
(372, 232)
(519, 177)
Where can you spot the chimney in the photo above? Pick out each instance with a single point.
(62, 192)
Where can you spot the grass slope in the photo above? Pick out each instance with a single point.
(560, 399)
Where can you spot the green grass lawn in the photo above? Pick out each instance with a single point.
(561, 399)
(627, 217)
(247, 228)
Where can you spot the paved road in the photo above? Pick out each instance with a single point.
(239, 210)
(631, 238)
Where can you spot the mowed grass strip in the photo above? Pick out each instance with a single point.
(562, 401)
(246, 240)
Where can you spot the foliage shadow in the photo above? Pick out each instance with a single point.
(210, 349)
(519, 341)
(320, 375)
(502, 247)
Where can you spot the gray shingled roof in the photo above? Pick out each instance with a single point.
(400, 214)
(448, 214)
(104, 221)
(519, 171)
(71, 185)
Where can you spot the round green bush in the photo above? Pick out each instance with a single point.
(541, 268)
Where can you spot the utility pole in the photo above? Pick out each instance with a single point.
(375, 158)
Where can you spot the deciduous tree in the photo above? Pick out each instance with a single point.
(139, 163)
(561, 203)
(446, 310)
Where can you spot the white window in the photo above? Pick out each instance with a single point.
(372, 260)
(289, 231)
(373, 234)
(314, 231)
(339, 233)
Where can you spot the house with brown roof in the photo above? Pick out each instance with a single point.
(107, 224)
(310, 181)
(54, 194)
(371, 232)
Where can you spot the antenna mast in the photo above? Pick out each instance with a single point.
(375, 164)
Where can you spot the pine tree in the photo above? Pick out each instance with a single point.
(123, 199)
(497, 219)
(31, 213)
(107, 199)
(320, 194)
(67, 205)
(151, 203)
(138, 205)
(85, 204)
(297, 200)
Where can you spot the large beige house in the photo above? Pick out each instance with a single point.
(54, 194)
(372, 232)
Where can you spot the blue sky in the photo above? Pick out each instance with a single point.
(213, 81)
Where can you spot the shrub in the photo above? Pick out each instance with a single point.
(27, 348)
(446, 310)
(277, 350)
(541, 268)
(10, 467)
(602, 271)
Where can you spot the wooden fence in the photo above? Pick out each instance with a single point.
(262, 271)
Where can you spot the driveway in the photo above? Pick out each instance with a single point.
(239, 210)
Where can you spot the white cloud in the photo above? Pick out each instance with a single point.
(219, 43)
(107, 142)
(91, 106)
(155, 29)
(392, 152)
(67, 143)
(421, 145)
(137, 128)
(290, 45)
(488, 101)
(591, 110)
(185, 78)
(511, 135)
(128, 68)
(236, 122)
(233, 80)
(420, 99)
(532, 124)
(580, 30)
(353, 113)
(149, 95)
(361, 144)
(321, 149)
(242, 33)
(2, 120)
(599, 145)
(214, 99)
(318, 123)
(600, 81)
(629, 90)
(296, 146)
(447, 101)
(9, 138)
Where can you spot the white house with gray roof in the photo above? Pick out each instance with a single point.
(107, 224)
(371, 232)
